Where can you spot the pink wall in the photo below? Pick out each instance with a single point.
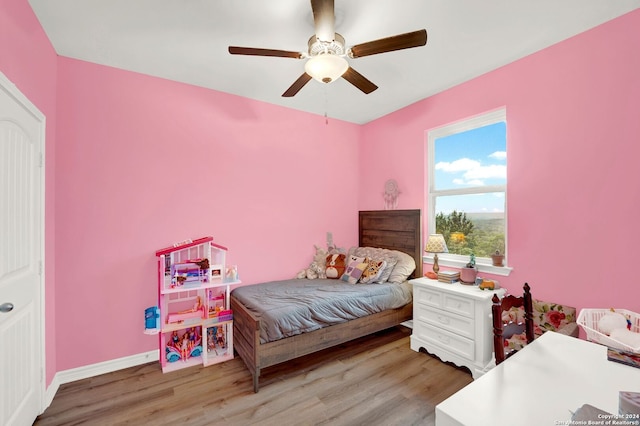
(134, 163)
(145, 162)
(28, 60)
(573, 182)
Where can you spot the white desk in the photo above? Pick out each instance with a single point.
(541, 385)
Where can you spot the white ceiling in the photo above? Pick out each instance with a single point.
(187, 41)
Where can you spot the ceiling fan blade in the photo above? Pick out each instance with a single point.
(235, 50)
(324, 19)
(297, 85)
(358, 80)
(389, 44)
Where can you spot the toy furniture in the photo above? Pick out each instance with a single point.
(506, 326)
(397, 230)
(547, 316)
(151, 319)
(193, 299)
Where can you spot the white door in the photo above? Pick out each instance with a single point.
(21, 258)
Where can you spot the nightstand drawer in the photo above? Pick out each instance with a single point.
(458, 304)
(446, 320)
(427, 296)
(453, 343)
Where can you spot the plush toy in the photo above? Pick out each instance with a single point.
(317, 268)
(332, 248)
(336, 264)
(611, 321)
(627, 337)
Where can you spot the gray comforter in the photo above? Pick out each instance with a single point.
(297, 306)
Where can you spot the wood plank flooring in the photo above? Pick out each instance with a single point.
(374, 380)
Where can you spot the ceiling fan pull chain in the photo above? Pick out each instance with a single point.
(326, 103)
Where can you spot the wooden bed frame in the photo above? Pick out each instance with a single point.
(391, 229)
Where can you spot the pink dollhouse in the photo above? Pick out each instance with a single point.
(193, 299)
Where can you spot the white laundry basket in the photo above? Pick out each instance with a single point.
(588, 320)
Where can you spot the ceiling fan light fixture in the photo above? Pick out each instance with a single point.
(326, 67)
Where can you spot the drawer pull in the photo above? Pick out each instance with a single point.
(443, 320)
(444, 339)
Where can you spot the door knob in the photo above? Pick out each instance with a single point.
(6, 307)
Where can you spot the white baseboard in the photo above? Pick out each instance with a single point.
(408, 324)
(67, 376)
(50, 392)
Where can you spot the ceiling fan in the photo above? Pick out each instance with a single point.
(326, 51)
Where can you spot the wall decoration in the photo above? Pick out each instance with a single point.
(391, 193)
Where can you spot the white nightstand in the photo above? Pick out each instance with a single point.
(453, 321)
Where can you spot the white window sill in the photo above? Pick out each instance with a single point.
(482, 267)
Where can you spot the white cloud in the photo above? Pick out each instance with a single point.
(499, 155)
(460, 165)
(472, 171)
(486, 172)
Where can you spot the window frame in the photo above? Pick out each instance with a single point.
(483, 264)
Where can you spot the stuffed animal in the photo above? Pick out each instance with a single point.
(626, 337)
(610, 321)
(336, 264)
(317, 268)
(332, 248)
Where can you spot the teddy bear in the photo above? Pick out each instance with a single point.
(317, 268)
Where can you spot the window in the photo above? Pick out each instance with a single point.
(467, 172)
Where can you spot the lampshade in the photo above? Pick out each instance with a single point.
(436, 244)
(326, 67)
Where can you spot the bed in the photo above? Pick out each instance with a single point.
(398, 230)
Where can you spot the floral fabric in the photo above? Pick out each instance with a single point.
(546, 317)
(551, 316)
(515, 342)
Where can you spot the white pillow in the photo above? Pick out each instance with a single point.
(389, 263)
(405, 267)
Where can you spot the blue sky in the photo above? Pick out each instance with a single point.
(476, 157)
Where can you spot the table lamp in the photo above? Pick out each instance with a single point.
(436, 244)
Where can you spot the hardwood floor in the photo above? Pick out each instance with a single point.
(374, 380)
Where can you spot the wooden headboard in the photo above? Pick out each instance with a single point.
(394, 230)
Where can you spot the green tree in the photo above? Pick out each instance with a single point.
(453, 222)
(464, 236)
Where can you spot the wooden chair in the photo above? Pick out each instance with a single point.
(513, 327)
